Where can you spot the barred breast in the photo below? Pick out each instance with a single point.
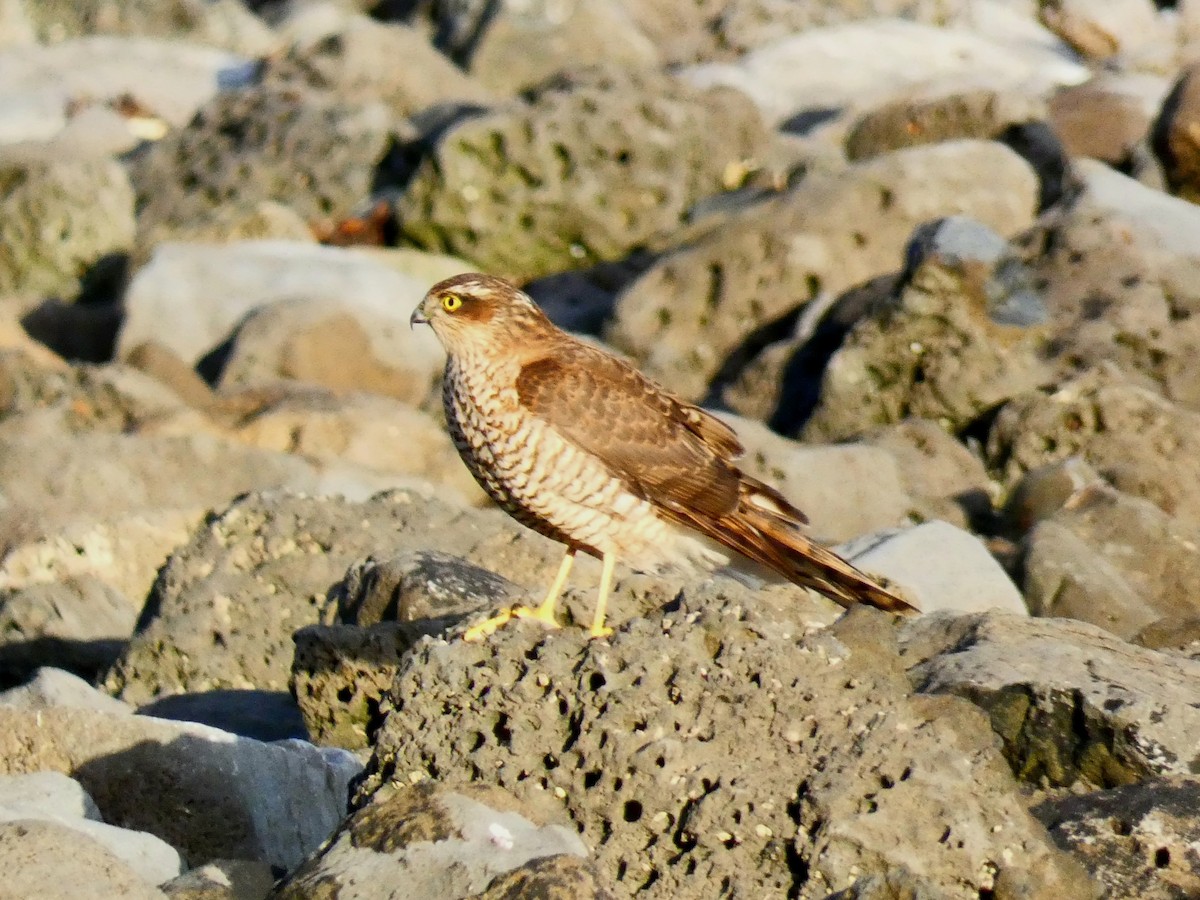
(545, 482)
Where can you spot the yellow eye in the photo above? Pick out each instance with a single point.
(451, 303)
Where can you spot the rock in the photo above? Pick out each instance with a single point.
(1101, 30)
(567, 37)
(76, 624)
(448, 843)
(689, 312)
(937, 566)
(222, 879)
(1105, 118)
(711, 744)
(203, 628)
(262, 715)
(215, 23)
(52, 797)
(1044, 491)
(845, 489)
(341, 672)
(182, 282)
(55, 688)
(964, 334)
(944, 479)
(1137, 441)
(1174, 136)
(355, 58)
(1071, 703)
(51, 239)
(874, 61)
(401, 443)
(166, 80)
(244, 799)
(248, 146)
(46, 859)
(980, 114)
(1155, 557)
(503, 189)
(1139, 840)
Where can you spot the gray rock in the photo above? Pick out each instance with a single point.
(184, 282)
(203, 624)
(222, 879)
(50, 237)
(248, 146)
(447, 844)
(53, 797)
(1044, 491)
(871, 62)
(355, 58)
(51, 688)
(46, 859)
(688, 313)
(937, 566)
(1155, 560)
(503, 189)
(708, 744)
(244, 799)
(262, 715)
(1071, 702)
(1139, 442)
(1139, 840)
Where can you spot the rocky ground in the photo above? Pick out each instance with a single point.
(937, 261)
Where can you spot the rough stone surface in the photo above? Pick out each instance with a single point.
(445, 844)
(50, 239)
(208, 793)
(644, 146)
(713, 744)
(1139, 840)
(56, 688)
(689, 312)
(963, 335)
(46, 859)
(223, 879)
(203, 628)
(247, 146)
(1071, 703)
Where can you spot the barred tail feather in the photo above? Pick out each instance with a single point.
(766, 528)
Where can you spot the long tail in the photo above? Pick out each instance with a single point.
(768, 530)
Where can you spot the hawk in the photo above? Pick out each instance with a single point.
(581, 447)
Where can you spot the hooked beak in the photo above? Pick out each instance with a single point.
(418, 317)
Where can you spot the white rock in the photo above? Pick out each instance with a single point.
(56, 688)
(937, 566)
(867, 63)
(1171, 223)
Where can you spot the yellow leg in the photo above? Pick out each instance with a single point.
(543, 613)
(606, 576)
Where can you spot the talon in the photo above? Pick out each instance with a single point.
(541, 614)
(601, 632)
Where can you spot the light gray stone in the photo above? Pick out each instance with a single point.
(937, 566)
(54, 688)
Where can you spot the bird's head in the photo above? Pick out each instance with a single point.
(474, 311)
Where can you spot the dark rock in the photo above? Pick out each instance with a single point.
(262, 715)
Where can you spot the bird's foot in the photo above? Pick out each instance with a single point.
(488, 627)
(600, 631)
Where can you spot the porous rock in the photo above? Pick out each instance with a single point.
(203, 626)
(1139, 840)
(964, 335)
(446, 843)
(713, 743)
(1070, 702)
(50, 238)
(689, 312)
(250, 145)
(204, 791)
(503, 189)
(1139, 442)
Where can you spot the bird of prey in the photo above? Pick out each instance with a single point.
(584, 449)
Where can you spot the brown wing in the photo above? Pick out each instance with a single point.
(670, 452)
